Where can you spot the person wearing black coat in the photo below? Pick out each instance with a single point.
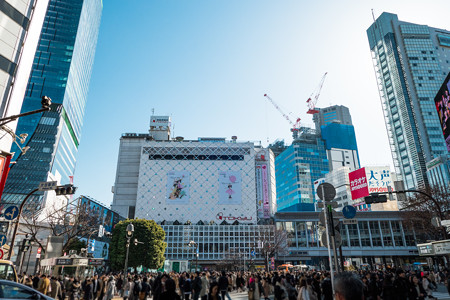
(223, 284)
(196, 286)
(187, 287)
(170, 292)
(88, 290)
(316, 286)
(416, 292)
(401, 286)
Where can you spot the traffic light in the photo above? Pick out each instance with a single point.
(67, 189)
(25, 245)
(375, 198)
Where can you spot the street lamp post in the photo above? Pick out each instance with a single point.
(195, 245)
(130, 231)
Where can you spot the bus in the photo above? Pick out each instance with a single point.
(285, 268)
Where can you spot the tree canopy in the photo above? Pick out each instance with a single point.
(149, 254)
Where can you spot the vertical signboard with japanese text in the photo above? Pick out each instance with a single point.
(259, 192)
(358, 183)
(265, 187)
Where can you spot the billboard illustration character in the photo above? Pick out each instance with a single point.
(177, 191)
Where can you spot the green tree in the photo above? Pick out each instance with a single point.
(75, 244)
(149, 254)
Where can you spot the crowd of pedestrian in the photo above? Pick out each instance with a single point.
(213, 285)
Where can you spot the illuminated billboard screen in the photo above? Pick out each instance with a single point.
(442, 102)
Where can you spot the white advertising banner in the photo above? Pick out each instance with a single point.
(379, 178)
(178, 187)
(230, 189)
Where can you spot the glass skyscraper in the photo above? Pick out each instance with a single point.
(411, 61)
(296, 169)
(61, 70)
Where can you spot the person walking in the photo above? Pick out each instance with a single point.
(256, 288)
(170, 292)
(417, 292)
(223, 285)
(205, 287)
(110, 288)
(196, 286)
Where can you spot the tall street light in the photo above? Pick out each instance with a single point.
(130, 230)
(195, 245)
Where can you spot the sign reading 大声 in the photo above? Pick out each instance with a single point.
(378, 179)
(358, 183)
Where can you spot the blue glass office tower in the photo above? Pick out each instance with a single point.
(411, 62)
(61, 70)
(296, 169)
(341, 146)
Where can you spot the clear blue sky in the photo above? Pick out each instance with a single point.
(208, 64)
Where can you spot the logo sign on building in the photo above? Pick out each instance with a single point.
(178, 183)
(160, 121)
(442, 103)
(358, 183)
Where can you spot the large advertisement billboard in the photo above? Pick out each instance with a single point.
(106, 217)
(178, 187)
(230, 190)
(358, 183)
(442, 102)
(379, 179)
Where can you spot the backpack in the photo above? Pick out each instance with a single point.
(137, 288)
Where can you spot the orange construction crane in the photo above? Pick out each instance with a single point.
(312, 103)
(295, 125)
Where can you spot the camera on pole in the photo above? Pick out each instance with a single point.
(67, 189)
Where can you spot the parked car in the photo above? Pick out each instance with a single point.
(13, 290)
(7, 270)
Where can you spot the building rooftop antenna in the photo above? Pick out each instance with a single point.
(153, 111)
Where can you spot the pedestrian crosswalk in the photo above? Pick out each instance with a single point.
(441, 295)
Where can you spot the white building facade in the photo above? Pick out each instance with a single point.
(197, 189)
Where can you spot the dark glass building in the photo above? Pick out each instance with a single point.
(61, 70)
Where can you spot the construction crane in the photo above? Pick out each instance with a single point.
(312, 103)
(295, 125)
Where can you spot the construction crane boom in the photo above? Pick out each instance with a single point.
(295, 125)
(312, 103)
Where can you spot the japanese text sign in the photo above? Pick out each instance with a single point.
(358, 183)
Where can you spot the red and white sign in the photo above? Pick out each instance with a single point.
(358, 183)
(1, 253)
